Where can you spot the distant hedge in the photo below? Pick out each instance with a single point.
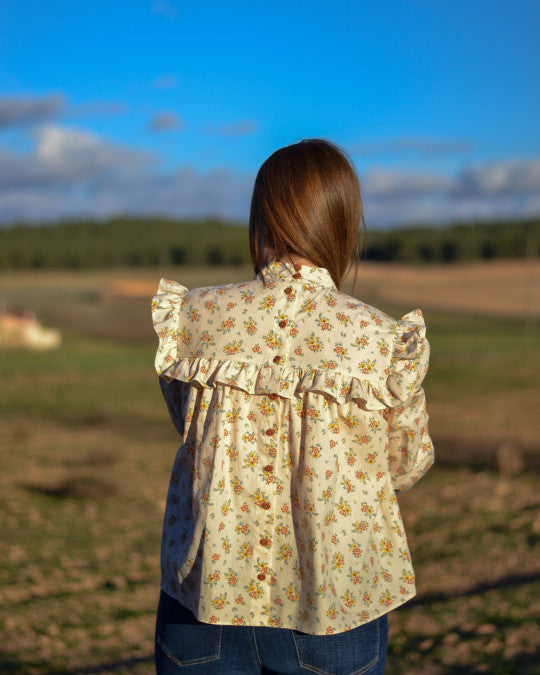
(137, 242)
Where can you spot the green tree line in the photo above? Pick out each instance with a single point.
(138, 242)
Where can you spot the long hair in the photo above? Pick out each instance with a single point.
(306, 201)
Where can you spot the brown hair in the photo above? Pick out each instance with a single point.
(306, 201)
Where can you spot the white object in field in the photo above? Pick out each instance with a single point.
(20, 329)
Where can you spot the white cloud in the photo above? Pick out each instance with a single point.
(72, 172)
(165, 121)
(16, 111)
(238, 128)
(166, 82)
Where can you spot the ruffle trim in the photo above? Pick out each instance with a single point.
(404, 375)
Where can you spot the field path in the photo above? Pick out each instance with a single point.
(500, 288)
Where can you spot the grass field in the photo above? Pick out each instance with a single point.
(86, 448)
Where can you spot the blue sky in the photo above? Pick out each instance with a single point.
(170, 106)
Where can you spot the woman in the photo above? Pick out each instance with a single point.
(301, 415)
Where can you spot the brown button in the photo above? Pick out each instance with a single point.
(269, 467)
(261, 576)
(297, 267)
(276, 359)
(264, 541)
(270, 432)
(288, 290)
(297, 276)
(282, 323)
(272, 397)
(265, 505)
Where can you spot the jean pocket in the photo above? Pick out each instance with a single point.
(354, 652)
(188, 645)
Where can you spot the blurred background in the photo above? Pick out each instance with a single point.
(130, 135)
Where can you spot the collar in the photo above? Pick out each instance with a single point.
(285, 271)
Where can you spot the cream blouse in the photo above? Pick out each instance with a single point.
(301, 415)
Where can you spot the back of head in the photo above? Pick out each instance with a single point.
(306, 202)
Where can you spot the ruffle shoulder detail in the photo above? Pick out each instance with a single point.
(406, 364)
(410, 356)
(166, 307)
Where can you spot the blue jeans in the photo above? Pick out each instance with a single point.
(185, 645)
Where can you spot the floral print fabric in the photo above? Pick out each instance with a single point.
(301, 415)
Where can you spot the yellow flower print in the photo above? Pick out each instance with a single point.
(385, 547)
(344, 319)
(245, 551)
(272, 339)
(355, 549)
(185, 336)
(308, 507)
(250, 326)
(382, 346)
(213, 579)
(408, 577)
(210, 306)
(251, 460)
(362, 342)
(348, 599)
(237, 620)
(334, 427)
(220, 601)
(232, 415)
(340, 351)
(265, 408)
(226, 326)
(284, 552)
(330, 365)
(291, 593)
(356, 577)
(331, 613)
(350, 457)
(351, 421)
(226, 507)
(338, 561)
(233, 347)
(314, 343)
(254, 590)
(267, 302)
(315, 451)
(326, 495)
(344, 507)
(193, 315)
(324, 323)
(231, 452)
(367, 366)
(242, 528)
(385, 599)
(308, 306)
(231, 577)
(247, 297)
(348, 486)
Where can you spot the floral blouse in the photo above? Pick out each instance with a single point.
(301, 414)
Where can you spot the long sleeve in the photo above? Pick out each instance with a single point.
(410, 450)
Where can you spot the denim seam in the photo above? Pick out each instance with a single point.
(325, 672)
(253, 639)
(374, 662)
(191, 662)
